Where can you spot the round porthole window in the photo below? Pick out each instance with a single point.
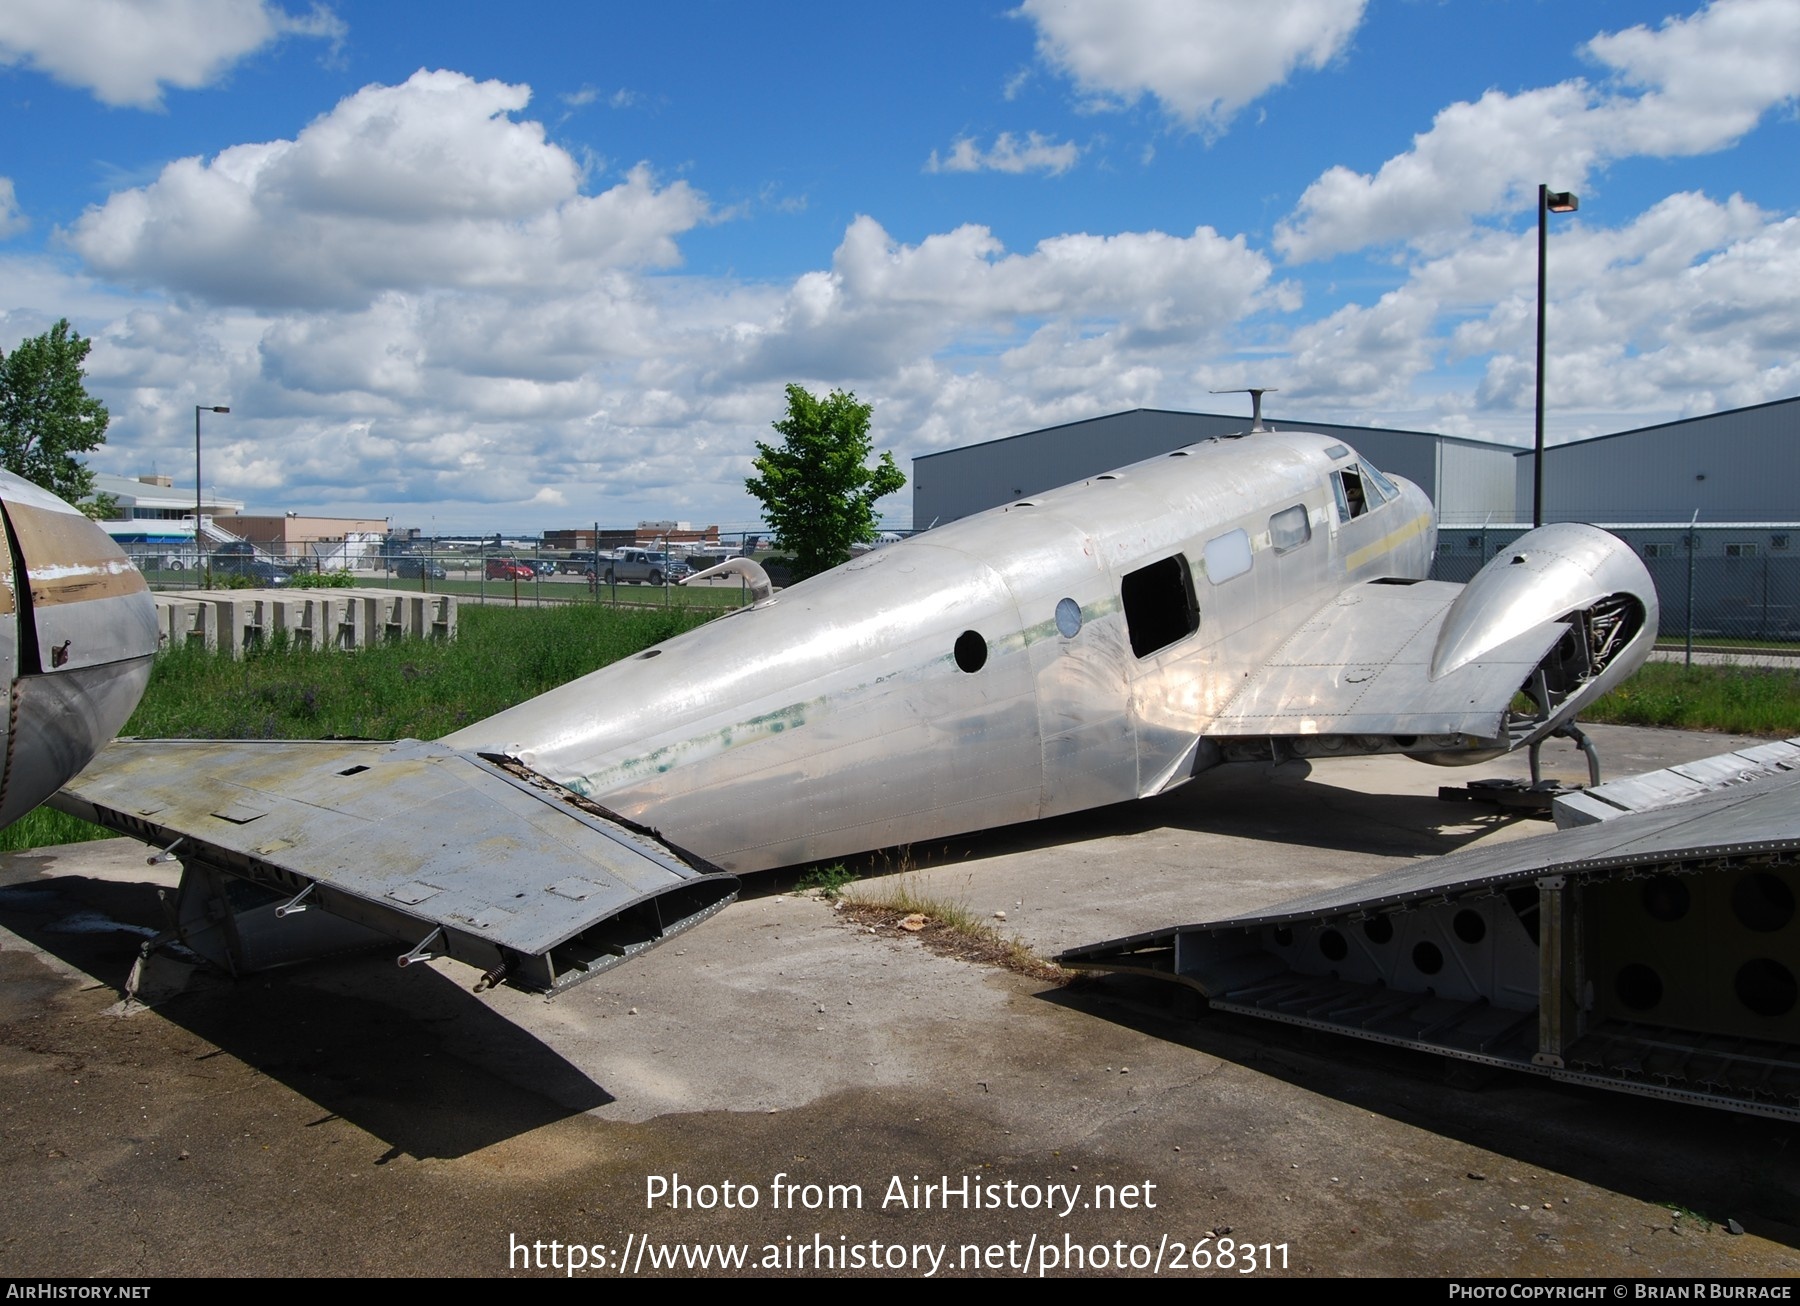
(1068, 618)
(971, 651)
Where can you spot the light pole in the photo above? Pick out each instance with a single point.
(198, 409)
(1549, 201)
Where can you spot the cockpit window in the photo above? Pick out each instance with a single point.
(1347, 489)
(1384, 487)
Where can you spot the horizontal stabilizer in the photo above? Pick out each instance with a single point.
(443, 851)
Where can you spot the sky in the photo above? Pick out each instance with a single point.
(518, 269)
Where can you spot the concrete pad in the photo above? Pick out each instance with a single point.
(351, 1118)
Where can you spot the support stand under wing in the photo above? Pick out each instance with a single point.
(1655, 952)
(444, 852)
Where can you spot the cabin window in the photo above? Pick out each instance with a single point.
(1227, 555)
(1288, 529)
(1068, 618)
(1160, 607)
(971, 651)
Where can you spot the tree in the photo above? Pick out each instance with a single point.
(46, 414)
(817, 490)
(102, 507)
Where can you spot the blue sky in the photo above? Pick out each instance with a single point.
(525, 270)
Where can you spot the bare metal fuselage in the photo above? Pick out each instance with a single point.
(77, 633)
(1037, 659)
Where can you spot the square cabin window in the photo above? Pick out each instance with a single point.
(1159, 605)
(1289, 529)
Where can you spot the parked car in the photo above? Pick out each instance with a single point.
(509, 569)
(634, 565)
(264, 575)
(410, 568)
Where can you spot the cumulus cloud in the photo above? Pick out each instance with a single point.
(1201, 61)
(645, 393)
(883, 302)
(1684, 308)
(127, 51)
(640, 395)
(1690, 86)
(1037, 153)
(12, 219)
(428, 184)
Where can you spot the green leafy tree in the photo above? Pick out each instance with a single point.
(46, 414)
(102, 507)
(817, 490)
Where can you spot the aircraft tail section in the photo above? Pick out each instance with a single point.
(444, 852)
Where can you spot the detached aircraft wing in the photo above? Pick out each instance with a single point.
(443, 851)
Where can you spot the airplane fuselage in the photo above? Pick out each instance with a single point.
(77, 634)
(1055, 654)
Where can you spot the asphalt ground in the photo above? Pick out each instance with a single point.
(782, 1085)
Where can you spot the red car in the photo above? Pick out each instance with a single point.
(509, 569)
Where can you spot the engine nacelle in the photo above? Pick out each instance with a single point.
(1590, 582)
(77, 634)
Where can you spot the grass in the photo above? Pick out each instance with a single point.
(829, 882)
(45, 827)
(898, 905)
(409, 690)
(412, 689)
(1737, 700)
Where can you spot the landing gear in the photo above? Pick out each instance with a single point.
(1536, 796)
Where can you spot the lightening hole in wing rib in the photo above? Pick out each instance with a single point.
(1762, 903)
(1766, 987)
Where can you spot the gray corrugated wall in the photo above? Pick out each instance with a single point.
(959, 482)
(1737, 466)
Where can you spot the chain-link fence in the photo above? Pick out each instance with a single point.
(492, 569)
(1727, 592)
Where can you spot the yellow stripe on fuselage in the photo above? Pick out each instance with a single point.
(1389, 542)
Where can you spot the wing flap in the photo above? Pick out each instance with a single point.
(442, 850)
(1361, 665)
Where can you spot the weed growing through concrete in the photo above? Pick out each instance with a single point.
(898, 905)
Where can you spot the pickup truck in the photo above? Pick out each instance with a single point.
(634, 565)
